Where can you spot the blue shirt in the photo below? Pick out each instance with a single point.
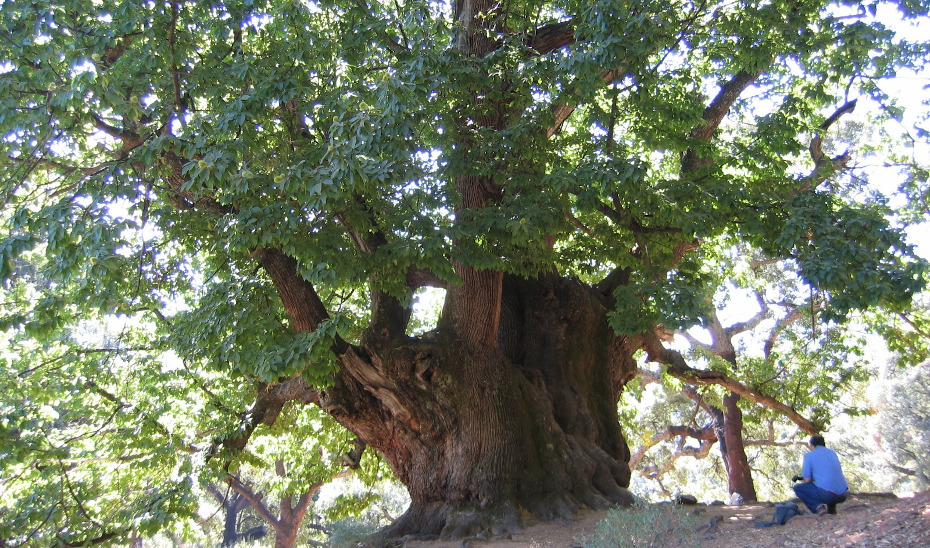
(823, 466)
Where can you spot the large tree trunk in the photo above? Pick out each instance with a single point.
(285, 536)
(510, 406)
(728, 426)
(739, 474)
(481, 436)
(730, 436)
(231, 521)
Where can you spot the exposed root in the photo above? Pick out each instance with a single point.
(443, 522)
(494, 523)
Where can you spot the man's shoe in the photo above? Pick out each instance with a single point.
(822, 509)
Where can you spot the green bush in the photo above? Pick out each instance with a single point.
(643, 525)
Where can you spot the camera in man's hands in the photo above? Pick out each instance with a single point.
(797, 478)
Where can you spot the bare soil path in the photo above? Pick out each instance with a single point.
(863, 520)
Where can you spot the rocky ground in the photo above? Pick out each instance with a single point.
(869, 520)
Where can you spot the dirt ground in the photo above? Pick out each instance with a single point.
(863, 520)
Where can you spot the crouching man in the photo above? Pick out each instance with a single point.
(823, 485)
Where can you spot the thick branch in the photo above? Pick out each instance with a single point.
(301, 302)
(176, 180)
(111, 54)
(552, 37)
(422, 277)
(254, 499)
(694, 343)
(845, 109)
(714, 114)
(268, 405)
(913, 325)
(562, 111)
(687, 390)
(717, 110)
(678, 368)
(704, 434)
(303, 503)
(129, 139)
(231, 504)
(824, 166)
(700, 452)
(389, 315)
(54, 165)
(617, 277)
(780, 326)
(751, 323)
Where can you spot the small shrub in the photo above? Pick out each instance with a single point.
(351, 532)
(643, 525)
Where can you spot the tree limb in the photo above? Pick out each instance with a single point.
(751, 323)
(694, 343)
(700, 452)
(678, 368)
(913, 325)
(389, 315)
(303, 503)
(562, 111)
(703, 434)
(794, 316)
(111, 54)
(713, 115)
(267, 406)
(255, 500)
(551, 37)
(176, 180)
(615, 278)
(824, 166)
(423, 277)
(301, 302)
(129, 139)
(62, 168)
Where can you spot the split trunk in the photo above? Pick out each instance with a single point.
(482, 435)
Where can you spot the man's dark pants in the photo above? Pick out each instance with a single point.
(814, 496)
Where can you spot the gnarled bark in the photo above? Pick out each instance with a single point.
(482, 435)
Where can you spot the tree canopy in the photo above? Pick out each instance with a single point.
(255, 191)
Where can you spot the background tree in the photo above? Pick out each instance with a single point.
(102, 434)
(774, 359)
(905, 422)
(87, 456)
(269, 183)
(283, 470)
(814, 376)
(902, 414)
(233, 505)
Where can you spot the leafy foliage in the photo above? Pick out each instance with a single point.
(77, 465)
(150, 152)
(783, 351)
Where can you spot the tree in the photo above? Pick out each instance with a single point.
(291, 510)
(772, 362)
(269, 183)
(104, 439)
(904, 425)
(77, 467)
(233, 504)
